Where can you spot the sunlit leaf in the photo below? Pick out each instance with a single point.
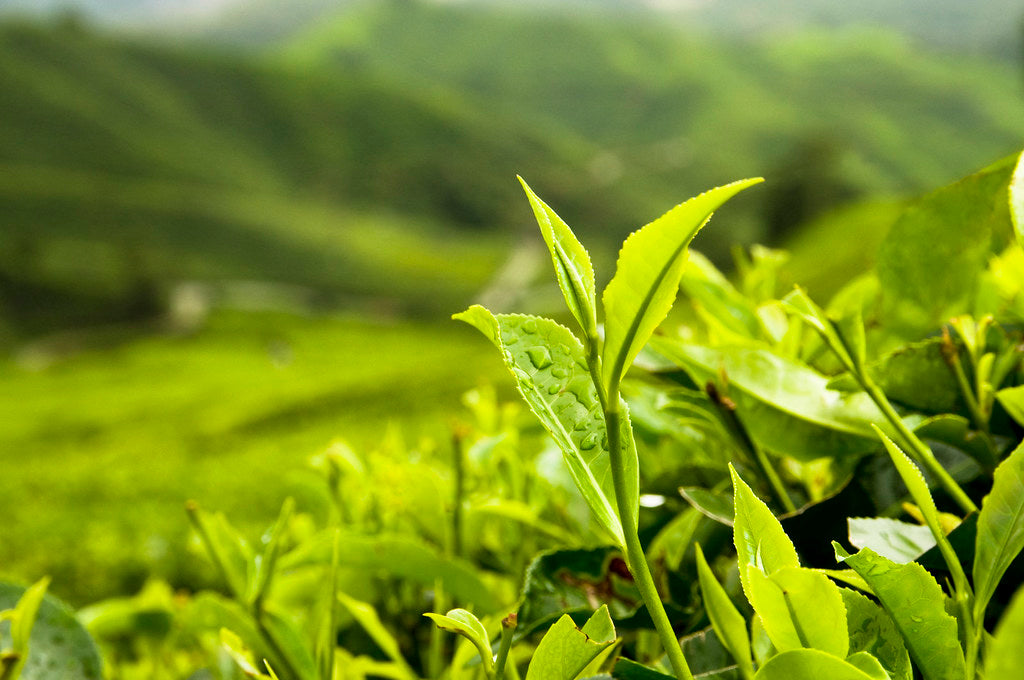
(729, 624)
(1000, 528)
(915, 602)
(760, 539)
(800, 608)
(809, 664)
(462, 622)
(647, 275)
(1003, 659)
(550, 368)
(872, 630)
(565, 650)
(573, 268)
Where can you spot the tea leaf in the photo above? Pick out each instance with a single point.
(366, 616)
(800, 608)
(398, 556)
(929, 263)
(869, 664)
(809, 664)
(1000, 528)
(785, 406)
(1002, 659)
(565, 650)
(871, 630)
(729, 625)
(647, 276)
(463, 623)
(900, 542)
(1012, 399)
(719, 299)
(550, 368)
(760, 539)
(849, 347)
(573, 268)
(915, 603)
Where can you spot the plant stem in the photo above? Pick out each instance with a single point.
(728, 410)
(508, 626)
(914, 446)
(635, 558)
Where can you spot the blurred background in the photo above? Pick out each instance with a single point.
(232, 231)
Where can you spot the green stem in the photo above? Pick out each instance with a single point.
(916, 448)
(978, 415)
(435, 652)
(508, 626)
(728, 410)
(635, 558)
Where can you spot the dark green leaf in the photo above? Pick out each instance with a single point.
(59, 647)
(785, 406)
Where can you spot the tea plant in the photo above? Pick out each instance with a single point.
(573, 386)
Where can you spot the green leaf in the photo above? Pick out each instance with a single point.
(871, 630)
(787, 407)
(265, 563)
(572, 582)
(1017, 199)
(227, 549)
(915, 602)
(550, 368)
(918, 488)
(238, 652)
(850, 351)
(573, 268)
(799, 608)
(1002, 658)
(1012, 399)
(1000, 528)
(719, 299)
(809, 664)
(869, 664)
(930, 261)
(463, 623)
(366, 616)
(398, 556)
(59, 648)
(565, 650)
(729, 624)
(708, 658)
(631, 670)
(898, 541)
(647, 276)
(760, 539)
(711, 504)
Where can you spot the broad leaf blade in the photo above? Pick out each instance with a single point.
(647, 276)
(930, 260)
(573, 269)
(809, 664)
(760, 539)
(729, 624)
(1000, 528)
(551, 373)
(898, 541)
(1003, 655)
(871, 630)
(565, 650)
(786, 406)
(800, 608)
(915, 603)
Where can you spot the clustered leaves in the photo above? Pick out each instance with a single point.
(872, 447)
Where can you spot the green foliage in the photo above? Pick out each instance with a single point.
(40, 638)
(566, 650)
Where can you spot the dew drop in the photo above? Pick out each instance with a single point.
(530, 326)
(539, 357)
(554, 388)
(589, 442)
(559, 372)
